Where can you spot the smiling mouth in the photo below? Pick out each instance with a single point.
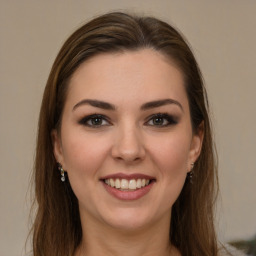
(127, 185)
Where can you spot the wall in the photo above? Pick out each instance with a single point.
(222, 34)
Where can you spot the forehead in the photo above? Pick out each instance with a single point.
(143, 75)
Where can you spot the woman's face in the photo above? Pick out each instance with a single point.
(126, 140)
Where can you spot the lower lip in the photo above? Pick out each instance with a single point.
(128, 195)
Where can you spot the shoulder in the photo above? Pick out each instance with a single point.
(229, 250)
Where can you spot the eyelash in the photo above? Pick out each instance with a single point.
(169, 119)
(165, 117)
(85, 120)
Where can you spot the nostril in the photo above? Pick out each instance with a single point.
(128, 146)
(131, 154)
(128, 158)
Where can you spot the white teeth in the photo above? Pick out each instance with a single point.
(139, 183)
(112, 183)
(132, 184)
(125, 184)
(117, 183)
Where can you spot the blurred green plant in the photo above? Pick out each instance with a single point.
(248, 246)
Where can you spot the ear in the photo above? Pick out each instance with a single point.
(57, 147)
(196, 145)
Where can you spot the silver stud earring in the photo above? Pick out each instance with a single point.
(191, 173)
(62, 173)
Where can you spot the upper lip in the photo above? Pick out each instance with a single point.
(128, 176)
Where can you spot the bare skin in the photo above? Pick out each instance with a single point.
(147, 241)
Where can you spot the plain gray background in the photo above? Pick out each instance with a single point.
(222, 35)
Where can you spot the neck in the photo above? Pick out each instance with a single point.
(99, 240)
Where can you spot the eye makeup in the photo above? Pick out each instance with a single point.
(162, 120)
(158, 120)
(95, 121)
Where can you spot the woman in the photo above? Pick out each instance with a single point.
(125, 162)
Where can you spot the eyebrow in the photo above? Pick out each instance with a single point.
(108, 106)
(159, 103)
(95, 103)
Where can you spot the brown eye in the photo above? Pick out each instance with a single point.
(94, 121)
(158, 121)
(161, 120)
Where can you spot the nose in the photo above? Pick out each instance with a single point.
(128, 145)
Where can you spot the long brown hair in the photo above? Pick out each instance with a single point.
(57, 228)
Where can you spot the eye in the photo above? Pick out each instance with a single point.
(161, 120)
(95, 121)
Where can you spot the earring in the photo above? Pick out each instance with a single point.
(191, 173)
(62, 172)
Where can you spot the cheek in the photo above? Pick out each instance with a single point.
(171, 158)
(83, 154)
(172, 154)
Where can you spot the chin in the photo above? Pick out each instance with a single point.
(131, 220)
